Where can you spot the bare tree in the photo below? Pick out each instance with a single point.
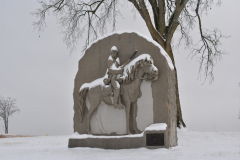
(239, 114)
(7, 108)
(162, 17)
(239, 109)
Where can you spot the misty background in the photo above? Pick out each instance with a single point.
(38, 70)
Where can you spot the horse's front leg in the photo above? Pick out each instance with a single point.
(127, 108)
(134, 110)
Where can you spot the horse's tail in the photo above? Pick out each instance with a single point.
(82, 102)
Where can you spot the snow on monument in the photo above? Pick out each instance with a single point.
(124, 86)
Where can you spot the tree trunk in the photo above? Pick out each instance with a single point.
(179, 111)
(6, 130)
(6, 127)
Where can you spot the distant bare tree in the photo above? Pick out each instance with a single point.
(239, 114)
(7, 108)
(239, 109)
(162, 18)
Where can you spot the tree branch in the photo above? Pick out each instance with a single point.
(136, 5)
(146, 17)
(155, 10)
(209, 49)
(72, 14)
(173, 21)
(161, 19)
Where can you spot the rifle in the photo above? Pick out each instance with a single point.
(129, 59)
(107, 80)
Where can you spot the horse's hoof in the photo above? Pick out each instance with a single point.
(136, 132)
(115, 106)
(118, 106)
(121, 106)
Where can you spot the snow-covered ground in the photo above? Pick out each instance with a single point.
(192, 145)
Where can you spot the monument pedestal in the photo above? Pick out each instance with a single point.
(154, 136)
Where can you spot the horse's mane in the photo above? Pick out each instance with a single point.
(131, 69)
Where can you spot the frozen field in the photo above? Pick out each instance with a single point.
(192, 145)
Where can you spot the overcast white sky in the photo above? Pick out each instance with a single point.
(39, 72)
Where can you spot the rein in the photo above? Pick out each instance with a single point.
(144, 77)
(140, 78)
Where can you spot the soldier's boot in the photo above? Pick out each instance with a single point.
(116, 98)
(120, 103)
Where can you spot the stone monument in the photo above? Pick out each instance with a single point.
(124, 105)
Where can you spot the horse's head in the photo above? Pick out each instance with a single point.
(149, 69)
(141, 67)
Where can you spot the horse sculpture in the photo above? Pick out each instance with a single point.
(139, 69)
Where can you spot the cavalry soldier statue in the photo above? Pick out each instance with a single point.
(115, 71)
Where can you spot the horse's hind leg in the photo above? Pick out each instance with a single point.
(90, 112)
(94, 102)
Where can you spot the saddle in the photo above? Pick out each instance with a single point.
(110, 76)
(108, 90)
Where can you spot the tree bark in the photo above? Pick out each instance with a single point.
(179, 111)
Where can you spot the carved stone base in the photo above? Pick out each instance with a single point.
(154, 136)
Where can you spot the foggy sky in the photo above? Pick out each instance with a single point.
(38, 70)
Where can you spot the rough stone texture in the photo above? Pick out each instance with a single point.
(117, 143)
(93, 65)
